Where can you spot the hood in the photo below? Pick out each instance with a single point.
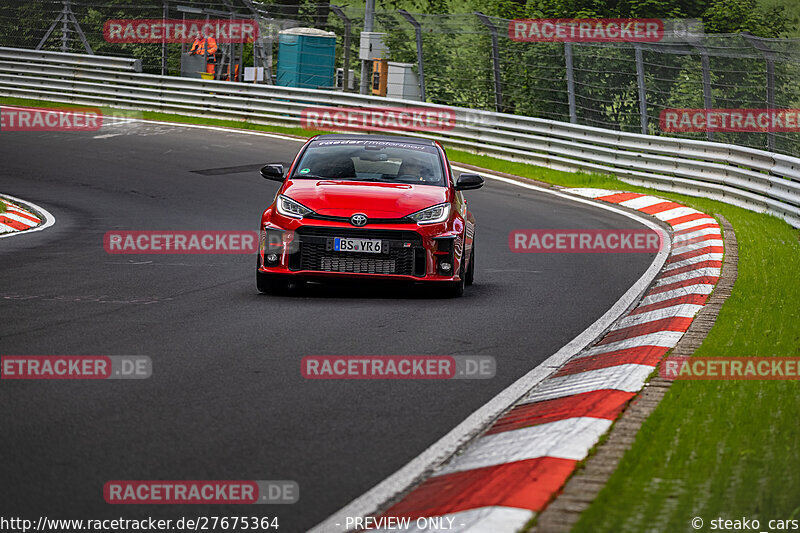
(374, 199)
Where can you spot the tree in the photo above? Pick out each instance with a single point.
(734, 16)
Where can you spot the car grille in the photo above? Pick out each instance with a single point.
(367, 265)
(403, 252)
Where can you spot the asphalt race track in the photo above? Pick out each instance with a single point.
(226, 400)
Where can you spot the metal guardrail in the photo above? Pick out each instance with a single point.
(753, 179)
(62, 58)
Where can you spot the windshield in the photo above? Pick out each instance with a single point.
(365, 160)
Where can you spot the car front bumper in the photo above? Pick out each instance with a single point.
(410, 252)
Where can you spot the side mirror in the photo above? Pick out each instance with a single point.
(272, 172)
(467, 182)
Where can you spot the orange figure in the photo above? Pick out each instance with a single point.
(207, 47)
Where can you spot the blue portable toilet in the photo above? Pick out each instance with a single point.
(306, 58)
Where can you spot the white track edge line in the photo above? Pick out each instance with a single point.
(467, 429)
(447, 445)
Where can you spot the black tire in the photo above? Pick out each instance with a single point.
(455, 289)
(272, 283)
(470, 276)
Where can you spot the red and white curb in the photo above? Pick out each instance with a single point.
(501, 489)
(15, 218)
(510, 473)
(21, 216)
(534, 463)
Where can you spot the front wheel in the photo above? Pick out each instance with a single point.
(470, 277)
(455, 289)
(271, 283)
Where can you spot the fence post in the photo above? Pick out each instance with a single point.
(498, 85)
(642, 90)
(369, 19)
(769, 58)
(66, 17)
(771, 101)
(65, 40)
(346, 59)
(261, 52)
(573, 115)
(164, 15)
(707, 100)
(695, 41)
(418, 31)
(706, 67)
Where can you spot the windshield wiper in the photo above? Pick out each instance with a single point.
(328, 178)
(309, 177)
(370, 179)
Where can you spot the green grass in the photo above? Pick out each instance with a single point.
(556, 177)
(168, 117)
(711, 448)
(722, 448)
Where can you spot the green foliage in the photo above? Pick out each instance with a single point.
(150, 54)
(791, 10)
(458, 64)
(734, 16)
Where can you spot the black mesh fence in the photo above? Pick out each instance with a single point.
(619, 86)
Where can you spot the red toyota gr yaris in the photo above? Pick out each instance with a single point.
(368, 206)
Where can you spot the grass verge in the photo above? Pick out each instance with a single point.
(167, 117)
(711, 448)
(722, 448)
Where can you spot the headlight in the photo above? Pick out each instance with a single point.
(289, 208)
(431, 215)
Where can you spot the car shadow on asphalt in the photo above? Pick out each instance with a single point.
(373, 290)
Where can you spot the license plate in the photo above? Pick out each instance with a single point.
(370, 246)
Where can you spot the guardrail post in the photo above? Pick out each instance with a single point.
(769, 58)
(573, 115)
(642, 91)
(498, 85)
(418, 31)
(346, 59)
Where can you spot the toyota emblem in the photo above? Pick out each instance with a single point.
(358, 219)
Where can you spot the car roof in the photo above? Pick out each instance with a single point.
(372, 137)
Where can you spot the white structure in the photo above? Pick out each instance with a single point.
(402, 81)
(372, 46)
